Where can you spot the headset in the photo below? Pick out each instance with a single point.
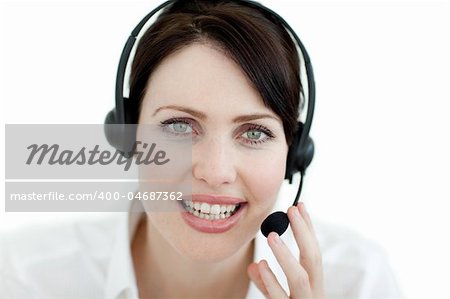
(121, 135)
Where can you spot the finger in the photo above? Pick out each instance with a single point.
(310, 256)
(271, 283)
(318, 286)
(306, 241)
(306, 217)
(297, 277)
(255, 276)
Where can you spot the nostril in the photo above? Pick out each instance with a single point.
(213, 158)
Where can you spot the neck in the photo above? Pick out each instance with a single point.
(161, 272)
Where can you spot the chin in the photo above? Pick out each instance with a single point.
(203, 247)
(207, 248)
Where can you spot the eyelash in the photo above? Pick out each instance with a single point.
(248, 127)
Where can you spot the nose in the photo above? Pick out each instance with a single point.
(213, 162)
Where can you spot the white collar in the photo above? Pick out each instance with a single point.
(121, 280)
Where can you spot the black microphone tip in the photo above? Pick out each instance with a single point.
(276, 222)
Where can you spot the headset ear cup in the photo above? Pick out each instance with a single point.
(305, 155)
(298, 158)
(110, 128)
(291, 157)
(121, 136)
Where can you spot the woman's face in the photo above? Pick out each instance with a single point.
(239, 151)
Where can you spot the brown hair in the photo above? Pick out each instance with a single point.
(258, 43)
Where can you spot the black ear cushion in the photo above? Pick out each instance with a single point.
(110, 129)
(305, 155)
(290, 165)
(298, 158)
(110, 117)
(120, 136)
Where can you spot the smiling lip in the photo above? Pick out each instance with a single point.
(214, 199)
(213, 226)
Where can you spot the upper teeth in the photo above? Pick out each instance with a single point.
(206, 208)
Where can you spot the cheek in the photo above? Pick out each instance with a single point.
(264, 179)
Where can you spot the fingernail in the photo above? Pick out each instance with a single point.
(277, 238)
(296, 212)
(303, 207)
(263, 263)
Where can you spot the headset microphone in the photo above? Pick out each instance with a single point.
(278, 221)
(298, 160)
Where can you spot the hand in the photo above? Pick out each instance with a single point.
(305, 278)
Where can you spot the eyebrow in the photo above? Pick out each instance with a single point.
(202, 116)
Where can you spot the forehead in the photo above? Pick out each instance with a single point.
(201, 76)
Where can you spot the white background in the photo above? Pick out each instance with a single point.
(381, 128)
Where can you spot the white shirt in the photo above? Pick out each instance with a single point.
(92, 259)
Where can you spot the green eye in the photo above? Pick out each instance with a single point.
(180, 127)
(254, 134)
